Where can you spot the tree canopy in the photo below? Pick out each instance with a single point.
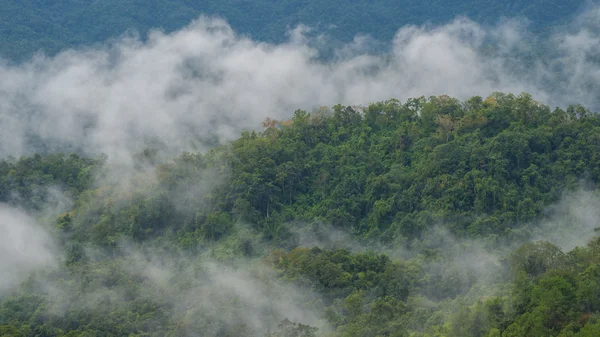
(417, 218)
(27, 26)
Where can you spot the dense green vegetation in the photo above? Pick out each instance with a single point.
(428, 192)
(30, 25)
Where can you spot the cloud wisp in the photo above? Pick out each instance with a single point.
(203, 84)
(25, 247)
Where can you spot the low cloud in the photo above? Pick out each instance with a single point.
(201, 85)
(24, 247)
(571, 222)
(187, 296)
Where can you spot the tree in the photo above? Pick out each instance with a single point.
(288, 328)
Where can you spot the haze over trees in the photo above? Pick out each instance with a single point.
(222, 178)
(396, 219)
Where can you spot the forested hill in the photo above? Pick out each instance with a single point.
(398, 219)
(30, 25)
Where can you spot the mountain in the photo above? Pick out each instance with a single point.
(430, 217)
(27, 26)
(147, 199)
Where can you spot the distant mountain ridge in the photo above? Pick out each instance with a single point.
(27, 26)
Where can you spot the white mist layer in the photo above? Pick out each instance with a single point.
(24, 247)
(203, 84)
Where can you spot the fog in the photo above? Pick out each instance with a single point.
(25, 246)
(201, 85)
(181, 295)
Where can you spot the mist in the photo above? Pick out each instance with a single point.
(25, 246)
(243, 297)
(200, 86)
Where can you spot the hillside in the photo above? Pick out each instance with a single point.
(29, 25)
(430, 217)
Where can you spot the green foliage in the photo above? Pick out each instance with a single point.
(28, 182)
(393, 170)
(384, 176)
(27, 26)
(290, 329)
(536, 258)
(387, 172)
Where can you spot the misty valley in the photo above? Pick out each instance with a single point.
(299, 169)
(430, 217)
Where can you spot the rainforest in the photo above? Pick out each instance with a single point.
(299, 169)
(429, 217)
